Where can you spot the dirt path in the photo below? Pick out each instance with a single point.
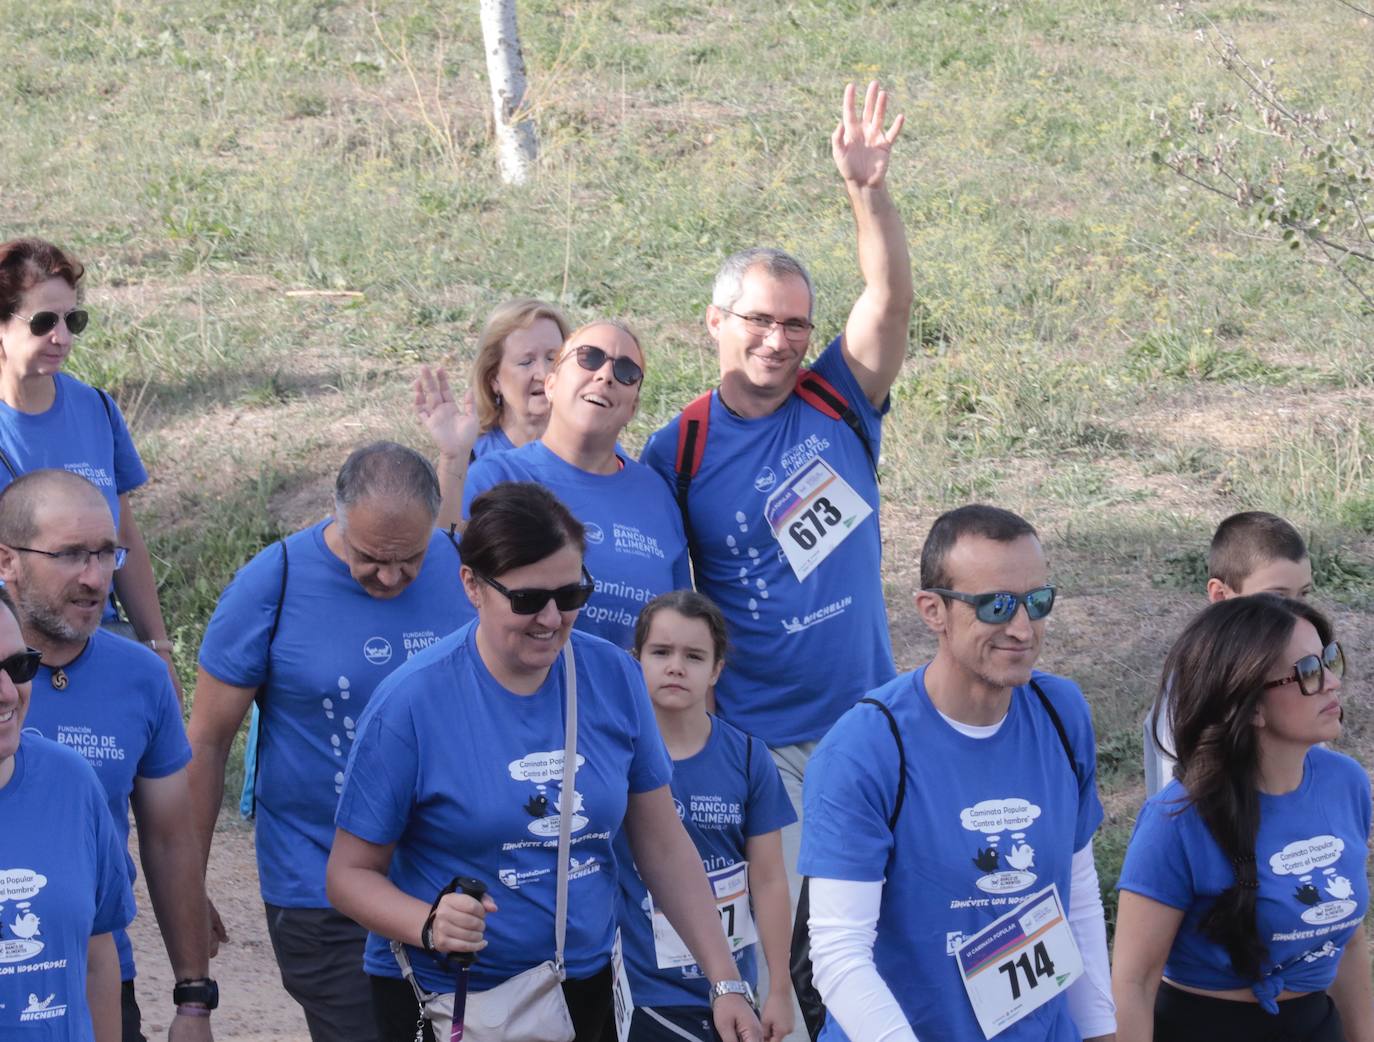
(253, 1006)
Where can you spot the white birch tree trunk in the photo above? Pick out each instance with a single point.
(517, 146)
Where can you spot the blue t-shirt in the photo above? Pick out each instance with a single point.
(466, 779)
(494, 440)
(804, 651)
(63, 881)
(727, 793)
(76, 433)
(335, 643)
(635, 545)
(120, 712)
(985, 823)
(1310, 861)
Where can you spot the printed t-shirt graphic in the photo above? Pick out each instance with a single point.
(62, 880)
(805, 650)
(119, 711)
(1310, 854)
(635, 545)
(985, 824)
(444, 751)
(725, 794)
(334, 644)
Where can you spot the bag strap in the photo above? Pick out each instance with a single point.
(261, 696)
(1059, 727)
(565, 814)
(691, 444)
(901, 760)
(817, 392)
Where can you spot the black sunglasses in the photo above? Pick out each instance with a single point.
(624, 368)
(1310, 670)
(998, 608)
(531, 601)
(22, 666)
(42, 323)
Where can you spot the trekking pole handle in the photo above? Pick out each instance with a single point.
(476, 889)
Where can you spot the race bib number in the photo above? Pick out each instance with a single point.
(731, 887)
(624, 1007)
(813, 513)
(1020, 962)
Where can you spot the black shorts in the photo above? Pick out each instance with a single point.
(1181, 1016)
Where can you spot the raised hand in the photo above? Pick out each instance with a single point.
(860, 145)
(452, 426)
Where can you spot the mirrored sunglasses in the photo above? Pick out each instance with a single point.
(531, 600)
(41, 323)
(624, 368)
(1310, 670)
(998, 608)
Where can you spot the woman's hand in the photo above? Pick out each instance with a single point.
(460, 922)
(735, 1020)
(450, 423)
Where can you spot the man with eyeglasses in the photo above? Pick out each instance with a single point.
(112, 700)
(307, 629)
(951, 814)
(776, 478)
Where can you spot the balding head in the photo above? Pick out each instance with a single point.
(39, 492)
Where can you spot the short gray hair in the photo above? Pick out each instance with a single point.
(388, 472)
(729, 284)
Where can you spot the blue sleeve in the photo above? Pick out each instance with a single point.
(651, 768)
(235, 647)
(114, 899)
(768, 808)
(382, 774)
(831, 364)
(847, 800)
(168, 750)
(482, 475)
(129, 470)
(1156, 864)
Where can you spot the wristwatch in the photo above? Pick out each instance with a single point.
(203, 991)
(733, 987)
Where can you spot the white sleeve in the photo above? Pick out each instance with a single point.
(1090, 997)
(843, 927)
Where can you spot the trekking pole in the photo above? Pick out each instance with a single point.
(477, 889)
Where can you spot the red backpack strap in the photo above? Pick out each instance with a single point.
(817, 392)
(691, 445)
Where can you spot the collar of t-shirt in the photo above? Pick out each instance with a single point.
(974, 730)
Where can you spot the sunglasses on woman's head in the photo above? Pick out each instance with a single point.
(1310, 670)
(41, 323)
(531, 601)
(998, 608)
(625, 369)
(22, 666)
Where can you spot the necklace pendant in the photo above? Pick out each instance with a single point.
(59, 679)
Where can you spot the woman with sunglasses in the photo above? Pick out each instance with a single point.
(636, 547)
(1243, 892)
(457, 771)
(66, 888)
(51, 419)
(505, 406)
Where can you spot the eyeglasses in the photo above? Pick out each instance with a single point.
(22, 666)
(624, 368)
(794, 329)
(1310, 670)
(77, 557)
(998, 608)
(42, 323)
(531, 601)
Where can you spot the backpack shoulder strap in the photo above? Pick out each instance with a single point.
(109, 406)
(820, 394)
(261, 695)
(691, 445)
(281, 595)
(453, 540)
(1058, 726)
(901, 760)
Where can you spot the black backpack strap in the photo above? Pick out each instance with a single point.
(748, 761)
(1059, 727)
(901, 759)
(109, 407)
(818, 393)
(261, 696)
(9, 464)
(453, 540)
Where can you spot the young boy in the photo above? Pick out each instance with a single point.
(1251, 552)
